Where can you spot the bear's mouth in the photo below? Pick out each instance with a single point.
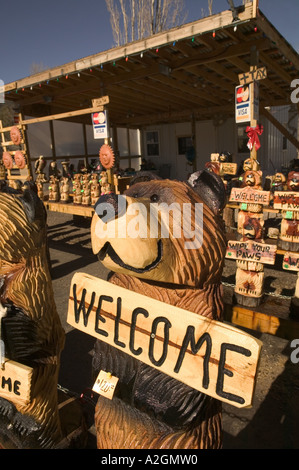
(107, 250)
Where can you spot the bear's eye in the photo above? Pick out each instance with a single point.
(154, 197)
(135, 195)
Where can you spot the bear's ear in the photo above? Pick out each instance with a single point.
(144, 176)
(210, 188)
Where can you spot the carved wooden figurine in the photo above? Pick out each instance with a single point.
(31, 331)
(86, 194)
(2, 171)
(53, 170)
(65, 190)
(54, 192)
(40, 166)
(249, 273)
(95, 191)
(105, 185)
(77, 190)
(288, 202)
(40, 190)
(151, 410)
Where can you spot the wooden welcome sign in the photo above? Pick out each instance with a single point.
(286, 200)
(250, 250)
(209, 356)
(249, 195)
(15, 382)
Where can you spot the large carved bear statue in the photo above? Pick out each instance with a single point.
(151, 410)
(30, 326)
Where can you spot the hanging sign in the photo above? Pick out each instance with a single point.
(99, 122)
(100, 101)
(247, 102)
(253, 75)
(228, 168)
(212, 357)
(250, 250)
(249, 195)
(291, 261)
(242, 103)
(286, 200)
(15, 382)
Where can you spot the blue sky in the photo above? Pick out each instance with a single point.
(55, 32)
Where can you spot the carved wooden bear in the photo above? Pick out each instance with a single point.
(151, 410)
(30, 326)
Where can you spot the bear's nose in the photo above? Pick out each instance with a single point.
(110, 206)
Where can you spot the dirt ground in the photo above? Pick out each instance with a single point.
(272, 421)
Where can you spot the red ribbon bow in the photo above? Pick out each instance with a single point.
(252, 134)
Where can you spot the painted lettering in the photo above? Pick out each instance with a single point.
(191, 350)
(189, 338)
(223, 371)
(11, 386)
(136, 312)
(167, 326)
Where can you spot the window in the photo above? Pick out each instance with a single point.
(152, 144)
(242, 139)
(184, 145)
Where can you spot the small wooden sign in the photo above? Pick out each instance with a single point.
(252, 75)
(249, 195)
(250, 250)
(15, 382)
(291, 261)
(228, 168)
(286, 200)
(209, 356)
(100, 101)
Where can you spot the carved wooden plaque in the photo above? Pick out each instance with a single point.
(228, 168)
(256, 74)
(209, 356)
(250, 250)
(287, 200)
(291, 261)
(100, 101)
(249, 196)
(15, 382)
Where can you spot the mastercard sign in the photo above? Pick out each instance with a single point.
(242, 103)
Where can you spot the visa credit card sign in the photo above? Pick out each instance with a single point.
(243, 103)
(247, 102)
(99, 123)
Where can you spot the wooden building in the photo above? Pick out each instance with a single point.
(168, 94)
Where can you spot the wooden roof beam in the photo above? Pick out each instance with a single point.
(269, 84)
(173, 116)
(271, 32)
(222, 54)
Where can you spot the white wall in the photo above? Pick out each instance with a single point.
(278, 156)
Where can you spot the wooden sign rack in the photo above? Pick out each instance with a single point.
(15, 173)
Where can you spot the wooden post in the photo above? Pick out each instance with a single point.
(85, 145)
(250, 274)
(253, 121)
(193, 131)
